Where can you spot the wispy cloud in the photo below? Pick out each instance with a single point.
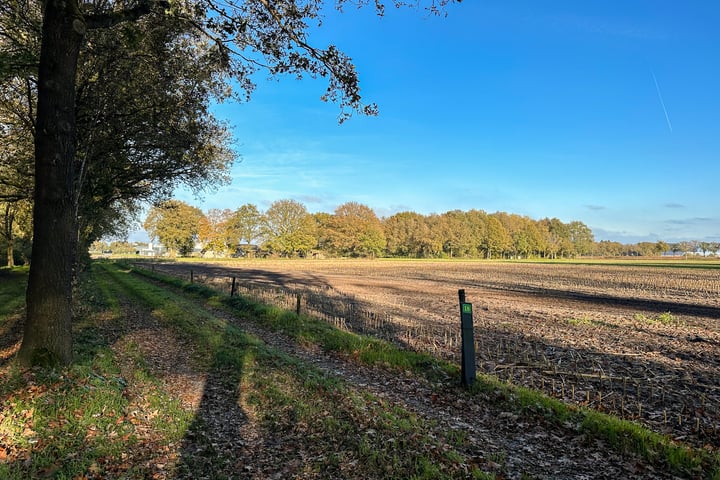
(674, 205)
(691, 221)
(595, 207)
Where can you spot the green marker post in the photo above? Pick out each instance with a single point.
(467, 366)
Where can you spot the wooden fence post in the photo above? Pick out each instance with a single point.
(232, 288)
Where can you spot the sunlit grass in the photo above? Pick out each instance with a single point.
(82, 421)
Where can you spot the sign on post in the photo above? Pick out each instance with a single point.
(467, 366)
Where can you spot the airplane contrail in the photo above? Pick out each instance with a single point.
(657, 87)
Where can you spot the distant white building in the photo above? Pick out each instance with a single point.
(151, 250)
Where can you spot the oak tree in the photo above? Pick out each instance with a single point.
(288, 228)
(582, 238)
(405, 232)
(457, 235)
(215, 232)
(356, 231)
(244, 226)
(497, 239)
(176, 224)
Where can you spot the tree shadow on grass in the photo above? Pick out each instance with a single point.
(215, 444)
(12, 296)
(319, 298)
(10, 336)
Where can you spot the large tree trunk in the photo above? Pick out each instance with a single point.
(48, 334)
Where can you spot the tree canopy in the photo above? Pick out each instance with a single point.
(355, 230)
(214, 231)
(139, 136)
(245, 224)
(176, 224)
(288, 228)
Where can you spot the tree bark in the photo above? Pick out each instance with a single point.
(48, 333)
(10, 253)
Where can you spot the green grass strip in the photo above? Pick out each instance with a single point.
(623, 435)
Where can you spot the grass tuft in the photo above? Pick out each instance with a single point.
(665, 318)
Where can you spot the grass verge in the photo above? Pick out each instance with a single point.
(90, 420)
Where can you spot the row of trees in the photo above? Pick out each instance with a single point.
(614, 249)
(353, 229)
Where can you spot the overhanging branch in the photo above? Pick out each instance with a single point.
(110, 19)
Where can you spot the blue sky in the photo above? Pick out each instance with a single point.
(603, 112)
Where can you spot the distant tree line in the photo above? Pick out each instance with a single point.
(287, 229)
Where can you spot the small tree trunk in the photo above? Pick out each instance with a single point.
(48, 333)
(7, 232)
(10, 252)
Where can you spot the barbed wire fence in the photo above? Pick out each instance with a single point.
(341, 310)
